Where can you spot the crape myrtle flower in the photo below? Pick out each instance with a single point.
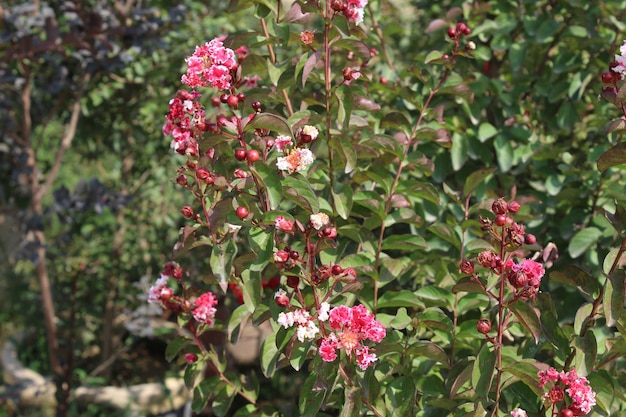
(518, 412)
(577, 388)
(211, 64)
(295, 161)
(352, 326)
(204, 309)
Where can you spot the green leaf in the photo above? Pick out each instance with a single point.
(482, 372)
(574, 276)
(475, 179)
(446, 233)
(583, 240)
(582, 315)
(237, 322)
(298, 356)
(586, 353)
(174, 347)
(269, 179)
(459, 151)
(430, 350)
(311, 399)
(403, 298)
(614, 297)
(435, 57)
(486, 131)
(404, 242)
(504, 153)
(436, 295)
(527, 316)
(401, 320)
(223, 397)
(271, 122)
(613, 157)
(221, 260)
(343, 201)
(269, 355)
(551, 327)
(203, 392)
(299, 192)
(527, 373)
(400, 396)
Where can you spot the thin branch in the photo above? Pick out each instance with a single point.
(68, 137)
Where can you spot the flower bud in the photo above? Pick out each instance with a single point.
(293, 281)
(500, 220)
(187, 211)
(281, 298)
(191, 358)
(483, 326)
(487, 259)
(467, 267)
(530, 239)
(181, 180)
(337, 269)
(499, 206)
(281, 256)
(514, 206)
(329, 232)
(203, 174)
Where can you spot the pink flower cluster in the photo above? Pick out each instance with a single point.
(284, 225)
(352, 326)
(185, 121)
(525, 276)
(354, 10)
(210, 64)
(204, 308)
(582, 396)
(518, 412)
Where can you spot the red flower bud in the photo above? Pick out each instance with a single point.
(499, 206)
(530, 239)
(241, 212)
(467, 267)
(514, 206)
(281, 298)
(191, 358)
(337, 269)
(181, 180)
(293, 281)
(187, 211)
(281, 256)
(483, 326)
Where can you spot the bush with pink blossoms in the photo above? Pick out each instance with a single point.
(321, 174)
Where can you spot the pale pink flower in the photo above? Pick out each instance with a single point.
(306, 327)
(322, 314)
(282, 141)
(296, 160)
(155, 291)
(204, 308)
(284, 225)
(518, 412)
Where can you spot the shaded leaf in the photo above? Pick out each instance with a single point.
(271, 122)
(527, 316)
(475, 178)
(403, 298)
(483, 370)
(582, 240)
(577, 277)
(613, 157)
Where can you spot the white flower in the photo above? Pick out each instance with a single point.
(307, 331)
(285, 319)
(319, 220)
(322, 315)
(296, 160)
(154, 293)
(311, 131)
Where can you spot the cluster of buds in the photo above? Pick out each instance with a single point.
(513, 234)
(461, 29)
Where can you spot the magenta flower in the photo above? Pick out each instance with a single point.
(204, 308)
(211, 64)
(352, 326)
(582, 396)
